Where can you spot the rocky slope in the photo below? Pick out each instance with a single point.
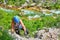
(45, 34)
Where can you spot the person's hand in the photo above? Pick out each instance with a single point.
(12, 31)
(25, 33)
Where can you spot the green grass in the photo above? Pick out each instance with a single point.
(5, 36)
(31, 25)
(5, 22)
(47, 21)
(52, 5)
(6, 18)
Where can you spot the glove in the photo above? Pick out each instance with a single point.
(26, 32)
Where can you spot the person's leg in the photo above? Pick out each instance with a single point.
(20, 28)
(17, 30)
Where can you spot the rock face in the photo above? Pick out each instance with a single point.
(50, 34)
(33, 4)
(18, 37)
(46, 34)
(24, 5)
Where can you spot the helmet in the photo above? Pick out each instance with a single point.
(16, 19)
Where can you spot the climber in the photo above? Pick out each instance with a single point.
(18, 25)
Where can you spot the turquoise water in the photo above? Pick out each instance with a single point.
(34, 13)
(7, 10)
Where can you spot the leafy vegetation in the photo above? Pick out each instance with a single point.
(51, 4)
(5, 22)
(6, 17)
(13, 2)
(31, 25)
(5, 36)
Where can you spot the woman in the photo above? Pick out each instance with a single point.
(18, 25)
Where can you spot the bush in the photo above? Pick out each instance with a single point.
(5, 36)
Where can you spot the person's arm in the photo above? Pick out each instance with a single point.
(12, 25)
(23, 25)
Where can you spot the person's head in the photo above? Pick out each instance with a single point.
(16, 19)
